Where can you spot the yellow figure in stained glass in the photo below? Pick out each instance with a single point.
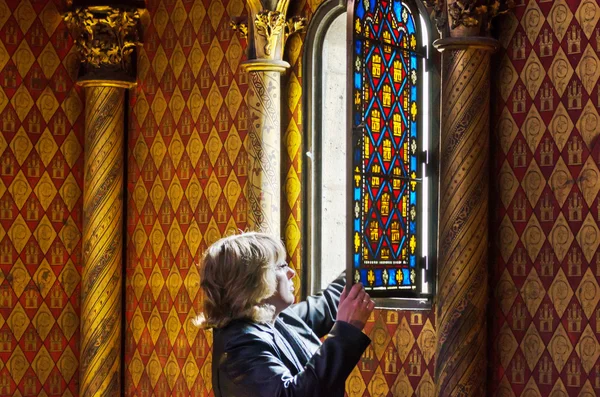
(357, 27)
(357, 180)
(367, 32)
(413, 41)
(356, 277)
(357, 98)
(376, 68)
(366, 201)
(413, 110)
(387, 150)
(404, 202)
(387, 37)
(356, 242)
(385, 253)
(375, 120)
(374, 230)
(397, 71)
(387, 96)
(385, 204)
(395, 231)
(371, 277)
(399, 276)
(375, 181)
(396, 184)
(365, 253)
(397, 120)
(386, 276)
(376, 169)
(412, 276)
(413, 244)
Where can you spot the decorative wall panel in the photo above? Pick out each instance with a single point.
(546, 268)
(41, 180)
(188, 168)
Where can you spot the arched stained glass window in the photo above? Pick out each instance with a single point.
(369, 60)
(387, 162)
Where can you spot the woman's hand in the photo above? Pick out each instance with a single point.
(355, 306)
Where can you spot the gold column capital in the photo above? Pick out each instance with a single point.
(467, 18)
(106, 38)
(267, 30)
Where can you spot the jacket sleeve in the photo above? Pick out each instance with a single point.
(253, 369)
(319, 311)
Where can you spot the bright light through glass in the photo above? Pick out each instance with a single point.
(425, 205)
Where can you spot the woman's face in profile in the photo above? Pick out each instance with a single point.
(283, 297)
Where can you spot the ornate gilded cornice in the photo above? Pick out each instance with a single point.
(106, 38)
(467, 18)
(267, 31)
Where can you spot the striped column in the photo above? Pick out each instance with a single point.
(101, 284)
(461, 353)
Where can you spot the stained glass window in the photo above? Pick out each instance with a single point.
(387, 58)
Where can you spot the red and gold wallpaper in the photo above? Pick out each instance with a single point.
(41, 162)
(545, 318)
(187, 173)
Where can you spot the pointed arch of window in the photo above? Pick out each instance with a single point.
(370, 195)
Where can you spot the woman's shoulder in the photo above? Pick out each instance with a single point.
(243, 331)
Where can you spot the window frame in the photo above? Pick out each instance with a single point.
(312, 104)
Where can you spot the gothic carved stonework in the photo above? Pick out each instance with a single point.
(106, 38)
(267, 31)
(269, 25)
(468, 18)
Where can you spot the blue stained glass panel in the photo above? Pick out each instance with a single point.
(385, 124)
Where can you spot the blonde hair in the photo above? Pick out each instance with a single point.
(237, 273)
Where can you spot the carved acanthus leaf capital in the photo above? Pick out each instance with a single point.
(267, 30)
(106, 38)
(467, 18)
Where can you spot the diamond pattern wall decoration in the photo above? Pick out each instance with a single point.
(40, 206)
(556, 345)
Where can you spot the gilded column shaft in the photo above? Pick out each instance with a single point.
(461, 357)
(106, 38)
(264, 151)
(102, 242)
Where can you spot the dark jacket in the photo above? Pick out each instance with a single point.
(254, 360)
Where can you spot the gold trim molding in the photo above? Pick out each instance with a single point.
(106, 38)
(107, 83)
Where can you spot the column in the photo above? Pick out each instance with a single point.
(462, 296)
(105, 38)
(267, 31)
(461, 354)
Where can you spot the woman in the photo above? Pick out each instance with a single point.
(263, 345)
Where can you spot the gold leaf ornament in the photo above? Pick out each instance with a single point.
(269, 24)
(104, 36)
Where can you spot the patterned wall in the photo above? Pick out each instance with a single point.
(187, 173)
(41, 162)
(546, 318)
